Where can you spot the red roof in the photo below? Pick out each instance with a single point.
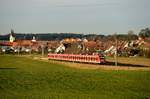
(6, 43)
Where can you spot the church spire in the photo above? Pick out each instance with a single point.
(12, 36)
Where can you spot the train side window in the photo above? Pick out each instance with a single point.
(92, 59)
(86, 58)
(73, 57)
(82, 58)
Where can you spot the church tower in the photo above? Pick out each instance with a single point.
(33, 39)
(12, 36)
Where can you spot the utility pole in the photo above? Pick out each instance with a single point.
(18, 49)
(42, 50)
(116, 52)
(30, 49)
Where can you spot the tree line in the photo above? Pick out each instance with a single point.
(59, 36)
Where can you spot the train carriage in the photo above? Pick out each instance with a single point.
(98, 58)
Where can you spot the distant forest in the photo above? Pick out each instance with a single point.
(59, 36)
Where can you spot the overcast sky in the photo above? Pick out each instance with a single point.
(81, 16)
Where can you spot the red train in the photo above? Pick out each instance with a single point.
(98, 58)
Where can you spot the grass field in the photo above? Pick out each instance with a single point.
(24, 78)
(132, 60)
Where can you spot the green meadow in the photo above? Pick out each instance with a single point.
(24, 78)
